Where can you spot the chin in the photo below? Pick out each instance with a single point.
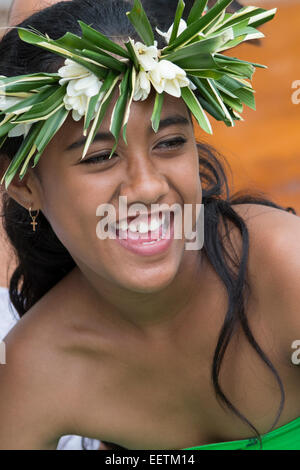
(149, 283)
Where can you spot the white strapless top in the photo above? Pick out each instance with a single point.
(8, 318)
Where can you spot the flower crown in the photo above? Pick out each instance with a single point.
(35, 106)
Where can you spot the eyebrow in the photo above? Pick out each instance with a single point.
(164, 123)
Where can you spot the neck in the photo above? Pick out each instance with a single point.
(152, 314)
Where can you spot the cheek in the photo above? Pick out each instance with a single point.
(70, 206)
(188, 178)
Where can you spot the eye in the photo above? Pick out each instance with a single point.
(170, 144)
(103, 157)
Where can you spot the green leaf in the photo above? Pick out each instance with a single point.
(63, 51)
(155, 118)
(234, 103)
(29, 102)
(197, 62)
(213, 26)
(215, 74)
(108, 89)
(240, 15)
(34, 79)
(117, 118)
(49, 129)
(247, 97)
(235, 116)
(106, 60)
(178, 15)
(196, 11)
(5, 128)
(19, 94)
(211, 110)
(197, 26)
(40, 40)
(225, 90)
(44, 109)
(230, 86)
(127, 112)
(72, 43)
(132, 54)
(235, 42)
(262, 18)
(217, 96)
(138, 18)
(236, 68)
(206, 92)
(99, 39)
(25, 83)
(247, 16)
(196, 109)
(22, 153)
(92, 102)
(234, 59)
(2, 141)
(206, 46)
(6, 119)
(26, 163)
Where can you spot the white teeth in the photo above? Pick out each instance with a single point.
(142, 227)
(123, 225)
(156, 223)
(133, 227)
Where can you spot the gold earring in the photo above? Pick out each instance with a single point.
(33, 217)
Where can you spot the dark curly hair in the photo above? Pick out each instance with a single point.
(43, 260)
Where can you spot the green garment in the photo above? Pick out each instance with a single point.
(286, 437)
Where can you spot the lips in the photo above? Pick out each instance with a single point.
(146, 245)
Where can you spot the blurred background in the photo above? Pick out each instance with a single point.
(263, 151)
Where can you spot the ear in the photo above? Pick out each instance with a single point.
(27, 192)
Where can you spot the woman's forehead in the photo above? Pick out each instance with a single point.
(139, 117)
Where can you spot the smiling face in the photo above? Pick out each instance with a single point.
(154, 168)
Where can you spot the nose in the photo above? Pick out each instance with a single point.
(144, 182)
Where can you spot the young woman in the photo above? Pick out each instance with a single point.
(170, 350)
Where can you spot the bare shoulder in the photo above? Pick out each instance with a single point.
(274, 237)
(265, 227)
(34, 390)
(274, 264)
(51, 353)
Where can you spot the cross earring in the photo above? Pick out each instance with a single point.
(33, 217)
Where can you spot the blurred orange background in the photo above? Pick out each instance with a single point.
(263, 151)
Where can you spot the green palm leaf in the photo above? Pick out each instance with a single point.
(196, 109)
(196, 11)
(24, 150)
(137, 16)
(158, 104)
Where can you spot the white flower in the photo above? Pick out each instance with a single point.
(142, 86)
(147, 56)
(78, 104)
(167, 35)
(82, 85)
(168, 77)
(20, 129)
